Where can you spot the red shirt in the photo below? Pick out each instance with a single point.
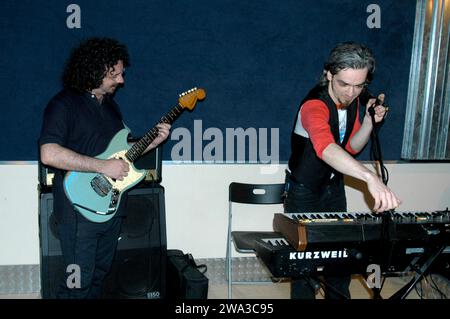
(314, 119)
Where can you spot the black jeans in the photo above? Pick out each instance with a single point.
(92, 247)
(330, 199)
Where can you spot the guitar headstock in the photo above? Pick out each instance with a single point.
(189, 98)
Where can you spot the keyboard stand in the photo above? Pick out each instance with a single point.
(421, 271)
(340, 294)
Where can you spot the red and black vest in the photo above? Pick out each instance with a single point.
(305, 166)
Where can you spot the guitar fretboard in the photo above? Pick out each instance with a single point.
(139, 147)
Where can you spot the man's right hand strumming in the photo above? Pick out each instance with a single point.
(115, 168)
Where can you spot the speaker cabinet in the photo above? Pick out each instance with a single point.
(139, 267)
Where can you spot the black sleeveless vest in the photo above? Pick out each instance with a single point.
(306, 168)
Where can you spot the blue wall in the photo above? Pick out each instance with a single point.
(255, 59)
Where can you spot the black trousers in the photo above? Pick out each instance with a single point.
(301, 200)
(91, 247)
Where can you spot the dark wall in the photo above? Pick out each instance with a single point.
(255, 59)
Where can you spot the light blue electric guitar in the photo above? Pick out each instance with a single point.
(97, 196)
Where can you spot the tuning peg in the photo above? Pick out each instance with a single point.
(188, 91)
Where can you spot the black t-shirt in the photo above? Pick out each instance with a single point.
(80, 123)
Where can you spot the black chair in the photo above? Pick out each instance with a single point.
(256, 194)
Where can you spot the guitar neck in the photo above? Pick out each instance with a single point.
(140, 146)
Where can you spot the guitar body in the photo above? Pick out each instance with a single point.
(96, 196)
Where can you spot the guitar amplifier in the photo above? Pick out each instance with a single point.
(45, 177)
(138, 270)
(150, 161)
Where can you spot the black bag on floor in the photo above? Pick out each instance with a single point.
(185, 279)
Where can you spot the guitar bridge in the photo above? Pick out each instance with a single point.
(101, 185)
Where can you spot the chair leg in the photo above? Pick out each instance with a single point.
(228, 259)
(230, 279)
(228, 268)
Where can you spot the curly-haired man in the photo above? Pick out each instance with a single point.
(79, 122)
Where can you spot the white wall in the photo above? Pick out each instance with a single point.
(19, 232)
(197, 203)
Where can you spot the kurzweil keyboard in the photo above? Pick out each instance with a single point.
(315, 230)
(284, 261)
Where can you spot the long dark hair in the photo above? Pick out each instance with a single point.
(349, 55)
(89, 62)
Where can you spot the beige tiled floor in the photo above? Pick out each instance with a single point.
(21, 296)
(358, 290)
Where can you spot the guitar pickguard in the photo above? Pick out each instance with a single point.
(133, 175)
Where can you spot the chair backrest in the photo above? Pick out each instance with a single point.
(256, 193)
